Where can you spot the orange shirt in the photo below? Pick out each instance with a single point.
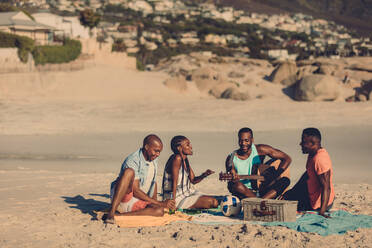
(315, 166)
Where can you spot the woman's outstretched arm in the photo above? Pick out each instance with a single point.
(198, 179)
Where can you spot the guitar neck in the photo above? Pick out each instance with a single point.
(251, 177)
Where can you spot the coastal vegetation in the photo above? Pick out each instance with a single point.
(89, 18)
(24, 44)
(69, 51)
(53, 54)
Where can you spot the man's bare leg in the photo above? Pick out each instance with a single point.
(277, 188)
(123, 187)
(205, 202)
(150, 210)
(240, 189)
(270, 195)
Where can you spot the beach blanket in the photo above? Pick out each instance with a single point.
(213, 216)
(144, 221)
(340, 223)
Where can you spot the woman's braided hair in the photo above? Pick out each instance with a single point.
(176, 142)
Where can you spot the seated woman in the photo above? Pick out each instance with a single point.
(178, 175)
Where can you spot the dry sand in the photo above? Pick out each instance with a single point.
(63, 136)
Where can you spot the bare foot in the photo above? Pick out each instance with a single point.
(110, 219)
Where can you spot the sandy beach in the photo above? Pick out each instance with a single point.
(64, 135)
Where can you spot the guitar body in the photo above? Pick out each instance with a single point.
(259, 170)
(257, 180)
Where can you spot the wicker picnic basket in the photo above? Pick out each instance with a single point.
(257, 209)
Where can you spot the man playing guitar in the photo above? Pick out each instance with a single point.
(244, 164)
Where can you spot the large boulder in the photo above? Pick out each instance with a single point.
(235, 74)
(367, 67)
(203, 73)
(176, 83)
(328, 69)
(178, 65)
(205, 78)
(218, 89)
(234, 94)
(285, 74)
(366, 89)
(306, 70)
(205, 85)
(317, 88)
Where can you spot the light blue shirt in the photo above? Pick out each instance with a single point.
(244, 167)
(138, 163)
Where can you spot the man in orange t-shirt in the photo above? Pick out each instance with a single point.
(314, 191)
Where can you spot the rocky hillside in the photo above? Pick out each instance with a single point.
(354, 14)
(322, 79)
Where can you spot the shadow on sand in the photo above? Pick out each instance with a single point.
(101, 195)
(87, 206)
(290, 91)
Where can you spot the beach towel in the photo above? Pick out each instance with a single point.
(144, 221)
(340, 223)
(309, 221)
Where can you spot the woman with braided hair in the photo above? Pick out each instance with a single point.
(178, 175)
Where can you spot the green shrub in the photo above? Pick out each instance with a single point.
(118, 46)
(69, 51)
(139, 65)
(24, 44)
(89, 18)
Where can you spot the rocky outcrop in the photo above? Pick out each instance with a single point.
(327, 69)
(176, 83)
(205, 78)
(360, 67)
(317, 88)
(285, 74)
(236, 74)
(306, 70)
(213, 75)
(235, 94)
(366, 90)
(218, 89)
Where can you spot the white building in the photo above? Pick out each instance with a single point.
(164, 6)
(281, 54)
(68, 26)
(141, 5)
(19, 23)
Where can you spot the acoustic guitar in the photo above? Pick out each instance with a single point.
(229, 177)
(257, 171)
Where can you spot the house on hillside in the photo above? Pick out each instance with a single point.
(66, 26)
(280, 54)
(19, 23)
(140, 5)
(190, 38)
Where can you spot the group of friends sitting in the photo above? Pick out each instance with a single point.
(135, 191)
